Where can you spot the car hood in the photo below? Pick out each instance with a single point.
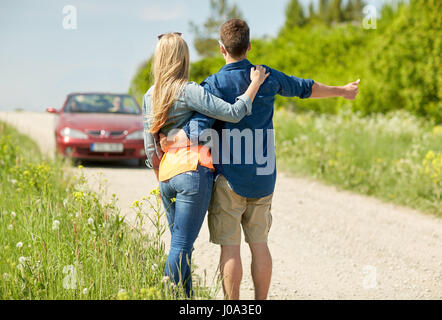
(102, 121)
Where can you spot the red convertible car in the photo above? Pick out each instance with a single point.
(101, 126)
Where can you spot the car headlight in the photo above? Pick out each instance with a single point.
(137, 135)
(72, 133)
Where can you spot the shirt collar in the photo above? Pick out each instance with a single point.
(236, 65)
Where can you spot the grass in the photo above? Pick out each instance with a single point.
(396, 157)
(60, 240)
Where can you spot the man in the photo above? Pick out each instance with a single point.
(246, 172)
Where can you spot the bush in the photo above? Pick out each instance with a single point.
(396, 156)
(404, 65)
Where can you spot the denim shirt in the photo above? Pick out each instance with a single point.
(192, 98)
(250, 168)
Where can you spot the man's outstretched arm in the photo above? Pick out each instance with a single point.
(348, 91)
(291, 86)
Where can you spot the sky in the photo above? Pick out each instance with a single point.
(41, 61)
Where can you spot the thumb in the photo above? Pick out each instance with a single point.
(357, 81)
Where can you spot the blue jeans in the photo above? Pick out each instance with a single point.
(192, 191)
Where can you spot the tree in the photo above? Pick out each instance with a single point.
(142, 80)
(357, 9)
(311, 11)
(349, 11)
(324, 11)
(353, 10)
(404, 64)
(205, 39)
(294, 15)
(337, 15)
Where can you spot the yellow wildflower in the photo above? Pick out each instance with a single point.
(122, 295)
(437, 130)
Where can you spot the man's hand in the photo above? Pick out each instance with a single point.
(177, 140)
(351, 90)
(348, 91)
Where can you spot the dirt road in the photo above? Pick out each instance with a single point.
(325, 243)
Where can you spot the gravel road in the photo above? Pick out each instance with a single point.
(325, 243)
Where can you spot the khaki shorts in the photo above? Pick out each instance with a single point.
(228, 211)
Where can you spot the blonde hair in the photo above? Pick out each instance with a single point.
(171, 73)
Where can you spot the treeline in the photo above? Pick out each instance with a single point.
(328, 12)
(398, 62)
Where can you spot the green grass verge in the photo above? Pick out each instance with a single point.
(396, 157)
(60, 240)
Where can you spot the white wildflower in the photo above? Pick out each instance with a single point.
(10, 227)
(19, 244)
(22, 260)
(6, 276)
(13, 214)
(165, 279)
(13, 181)
(55, 225)
(85, 291)
(90, 221)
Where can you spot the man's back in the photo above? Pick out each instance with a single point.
(246, 153)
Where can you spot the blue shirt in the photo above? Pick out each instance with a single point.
(244, 152)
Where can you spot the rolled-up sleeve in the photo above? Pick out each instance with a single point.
(291, 86)
(151, 147)
(204, 102)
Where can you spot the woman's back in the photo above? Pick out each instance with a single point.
(195, 98)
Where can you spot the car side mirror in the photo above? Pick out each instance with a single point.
(51, 110)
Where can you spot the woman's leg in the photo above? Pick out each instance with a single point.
(167, 194)
(193, 191)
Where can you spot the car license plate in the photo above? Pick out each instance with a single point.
(107, 147)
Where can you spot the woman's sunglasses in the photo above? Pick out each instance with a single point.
(161, 35)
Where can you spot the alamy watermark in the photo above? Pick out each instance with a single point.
(369, 281)
(70, 280)
(370, 17)
(69, 17)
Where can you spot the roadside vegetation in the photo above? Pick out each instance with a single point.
(60, 240)
(394, 156)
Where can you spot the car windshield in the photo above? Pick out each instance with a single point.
(102, 103)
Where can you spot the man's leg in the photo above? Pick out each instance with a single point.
(225, 211)
(256, 222)
(261, 269)
(231, 271)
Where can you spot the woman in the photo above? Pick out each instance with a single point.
(185, 174)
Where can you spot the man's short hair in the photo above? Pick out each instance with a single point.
(235, 36)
